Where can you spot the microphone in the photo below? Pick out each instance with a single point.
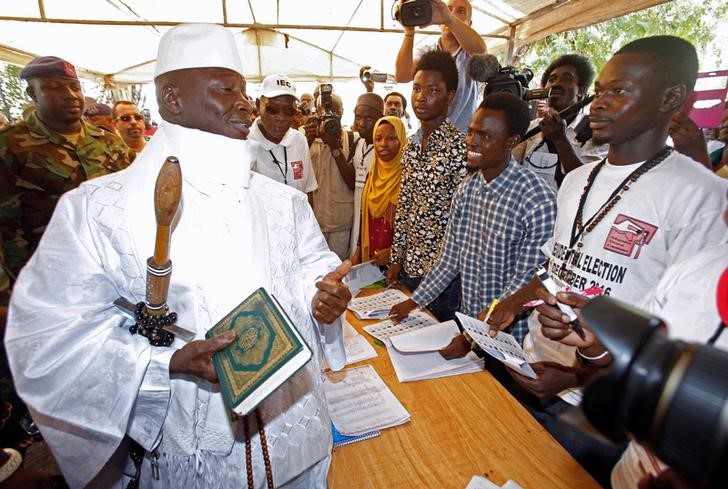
(567, 113)
(482, 66)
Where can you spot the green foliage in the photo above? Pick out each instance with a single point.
(12, 92)
(695, 21)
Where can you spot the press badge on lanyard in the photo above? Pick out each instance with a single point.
(297, 167)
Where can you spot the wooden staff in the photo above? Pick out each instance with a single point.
(167, 196)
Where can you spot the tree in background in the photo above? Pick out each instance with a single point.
(697, 22)
(13, 98)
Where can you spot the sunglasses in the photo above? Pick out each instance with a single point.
(127, 118)
(276, 109)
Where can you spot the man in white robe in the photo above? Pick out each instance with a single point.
(91, 386)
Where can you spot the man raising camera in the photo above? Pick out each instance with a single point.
(331, 147)
(458, 39)
(564, 143)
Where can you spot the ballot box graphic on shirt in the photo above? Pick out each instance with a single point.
(297, 167)
(628, 235)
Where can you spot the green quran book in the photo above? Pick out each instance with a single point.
(267, 350)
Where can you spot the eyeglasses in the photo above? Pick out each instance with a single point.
(277, 109)
(127, 118)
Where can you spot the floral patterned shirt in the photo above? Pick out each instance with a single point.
(429, 180)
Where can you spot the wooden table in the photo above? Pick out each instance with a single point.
(461, 426)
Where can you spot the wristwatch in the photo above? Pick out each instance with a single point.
(336, 153)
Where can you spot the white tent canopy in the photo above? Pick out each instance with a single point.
(308, 40)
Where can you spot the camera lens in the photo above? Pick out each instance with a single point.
(417, 12)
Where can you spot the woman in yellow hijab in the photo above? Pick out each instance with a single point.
(379, 199)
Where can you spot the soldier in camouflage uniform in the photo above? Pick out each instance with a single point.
(47, 154)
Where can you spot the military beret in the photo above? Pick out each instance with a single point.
(48, 66)
(372, 100)
(97, 109)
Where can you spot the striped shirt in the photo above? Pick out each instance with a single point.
(493, 239)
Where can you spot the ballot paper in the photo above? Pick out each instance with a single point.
(357, 347)
(427, 339)
(362, 275)
(360, 402)
(376, 306)
(502, 347)
(386, 329)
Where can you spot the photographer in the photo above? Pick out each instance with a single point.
(563, 144)
(458, 39)
(331, 154)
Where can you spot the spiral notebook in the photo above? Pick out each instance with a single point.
(341, 440)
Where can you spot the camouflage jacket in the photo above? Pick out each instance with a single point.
(37, 166)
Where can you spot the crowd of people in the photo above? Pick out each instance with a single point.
(277, 193)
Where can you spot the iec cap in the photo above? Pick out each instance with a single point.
(372, 100)
(48, 66)
(277, 85)
(197, 46)
(97, 109)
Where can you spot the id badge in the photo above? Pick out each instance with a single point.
(297, 167)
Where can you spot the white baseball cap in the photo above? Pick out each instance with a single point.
(277, 85)
(197, 46)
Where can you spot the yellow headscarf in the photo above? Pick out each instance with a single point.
(379, 198)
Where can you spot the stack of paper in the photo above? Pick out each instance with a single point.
(415, 354)
(362, 275)
(360, 402)
(502, 347)
(384, 330)
(376, 306)
(478, 482)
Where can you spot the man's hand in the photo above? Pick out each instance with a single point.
(689, 139)
(402, 310)
(555, 324)
(503, 315)
(458, 348)
(333, 141)
(311, 129)
(333, 295)
(393, 274)
(552, 379)
(195, 358)
(553, 127)
(381, 257)
(441, 14)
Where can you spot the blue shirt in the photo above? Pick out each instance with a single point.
(493, 239)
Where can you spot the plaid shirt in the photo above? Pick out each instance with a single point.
(429, 180)
(494, 239)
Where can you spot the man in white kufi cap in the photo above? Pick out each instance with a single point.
(95, 389)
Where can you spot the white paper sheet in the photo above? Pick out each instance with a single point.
(411, 367)
(428, 339)
(376, 306)
(385, 329)
(503, 347)
(362, 275)
(359, 401)
(357, 347)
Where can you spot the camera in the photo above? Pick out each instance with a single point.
(413, 13)
(671, 396)
(510, 80)
(373, 76)
(330, 121)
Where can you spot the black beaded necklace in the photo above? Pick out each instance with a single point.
(580, 229)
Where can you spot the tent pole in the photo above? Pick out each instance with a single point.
(511, 44)
(41, 9)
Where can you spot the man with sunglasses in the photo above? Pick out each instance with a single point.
(282, 152)
(129, 122)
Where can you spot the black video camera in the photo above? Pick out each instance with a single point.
(670, 395)
(510, 80)
(412, 13)
(330, 122)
